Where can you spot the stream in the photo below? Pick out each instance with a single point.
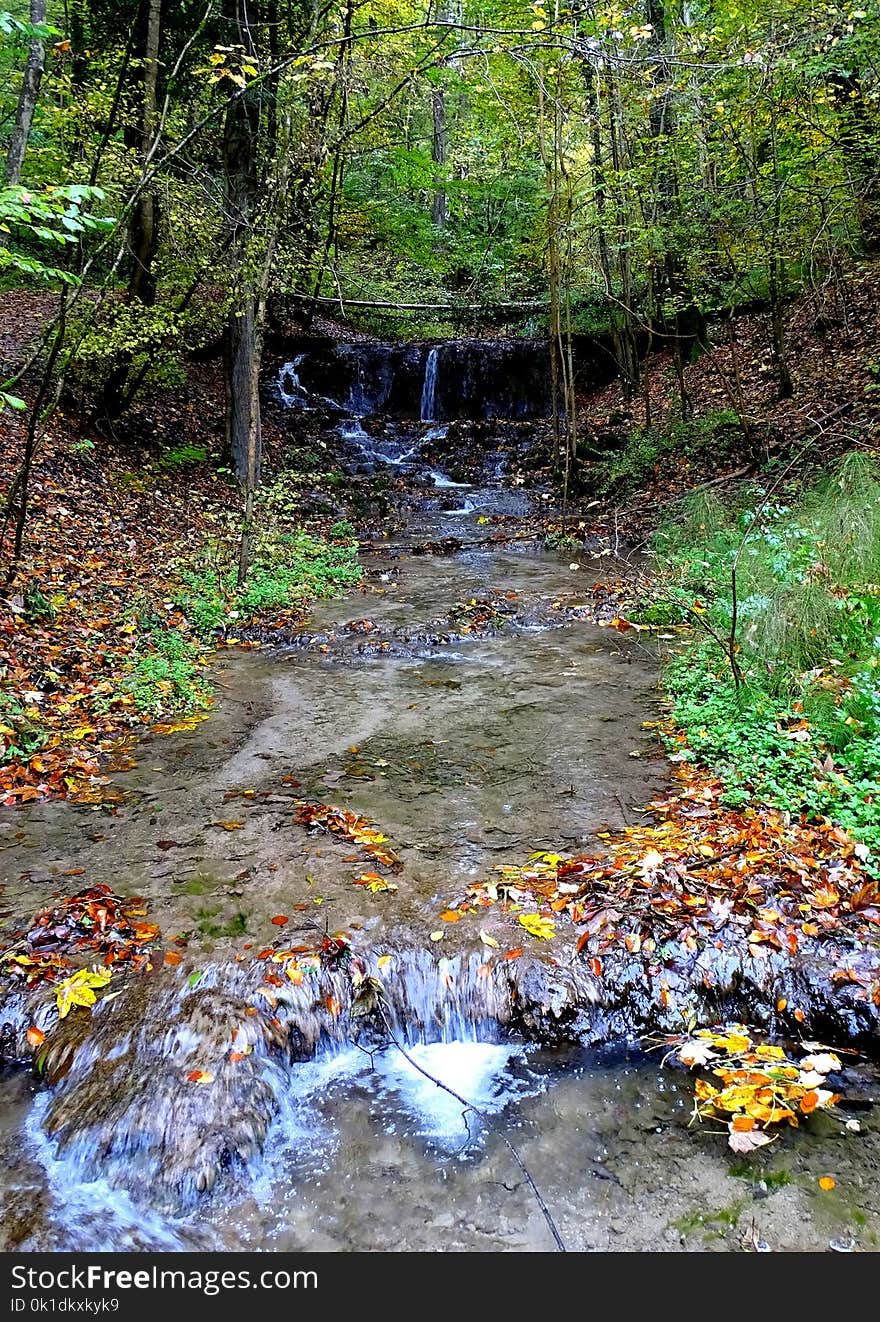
(471, 738)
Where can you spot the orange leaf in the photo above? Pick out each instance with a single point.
(333, 1005)
(172, 957)
(280, 919)
(742, 1123)
(809, 1101)
(200, 1076)
(450, 915)
(230, 826)
(827, 1183)
(515, 953)
(781, 1004)
(35, 1037)
(596, 968)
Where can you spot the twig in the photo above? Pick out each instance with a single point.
(469, 1106)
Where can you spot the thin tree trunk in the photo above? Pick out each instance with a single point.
(35, 421)
(440, 141)
(27, 97)
(440, 204)
(240, 133)
(144, 221)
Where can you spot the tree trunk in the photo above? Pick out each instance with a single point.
(240, 134)
(143, 232)
(440, 141)
(27, 97)
(440, 205)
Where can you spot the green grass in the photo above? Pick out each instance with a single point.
(801, 731)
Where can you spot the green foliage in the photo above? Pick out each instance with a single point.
(627, 469)
(557, 540)
(165, 677)
(53, 216)
(21, 734)
(184, 455)
(802, 730)
(289, 569)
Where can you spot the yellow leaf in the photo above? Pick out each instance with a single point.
(383, 961)
(79, 989)
(488, 940)
(827, 1183)
(766, 1052)
(535, 925)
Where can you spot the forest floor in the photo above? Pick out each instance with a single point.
(831, 337)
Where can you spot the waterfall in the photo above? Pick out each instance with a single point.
(429, 389)
(289, 385)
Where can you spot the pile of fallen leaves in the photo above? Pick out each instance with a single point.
(698, 872)
(359, 830)
(759, 1086)
(93, 925)
(101, 547)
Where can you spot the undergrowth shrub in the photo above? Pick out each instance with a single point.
(801, 729)
(632, 466)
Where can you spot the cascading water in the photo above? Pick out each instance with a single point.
(290, 388)
(429, 389)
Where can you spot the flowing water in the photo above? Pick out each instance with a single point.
(470, 746)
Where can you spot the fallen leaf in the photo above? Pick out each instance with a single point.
(535, 925)
(280, 919)
(696, 1053)
(200, 1076)
(827, 1183)
(748, 1142)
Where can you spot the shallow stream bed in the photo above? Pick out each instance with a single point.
(469, 746)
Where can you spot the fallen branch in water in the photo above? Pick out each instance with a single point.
(469, 1106)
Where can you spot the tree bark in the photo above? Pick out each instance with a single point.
(440, 141)
(143, 233)
(440, 204)
(27, 97)
(240, 134)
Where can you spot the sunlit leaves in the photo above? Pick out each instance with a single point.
(80, 989)
(756, 1085)
(538, 926)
